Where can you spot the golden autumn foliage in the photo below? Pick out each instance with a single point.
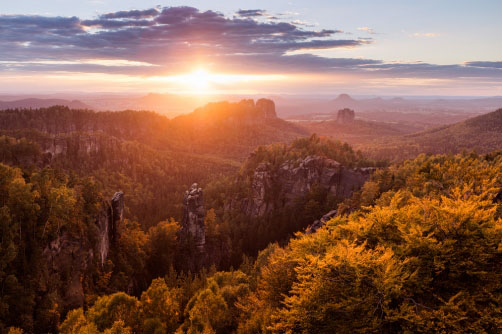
(417, 250)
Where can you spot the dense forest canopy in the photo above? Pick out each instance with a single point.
(422, 254)
(415, 247)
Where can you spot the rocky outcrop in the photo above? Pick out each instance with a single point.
(267, 108)
(72, 254)
(69, 256)
(108, 222)
(192, 224)
(242, 112)
(320, 222)
(117, 215)
(273, 188)
(345, 116)
(78, 145)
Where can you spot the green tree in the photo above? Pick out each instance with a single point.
(160, 303)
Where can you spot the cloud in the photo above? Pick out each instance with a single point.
(367, 29)
(164, 37)
(251, 12)
(131, 14)
(485, 64)
(175, 39)
(426, 34)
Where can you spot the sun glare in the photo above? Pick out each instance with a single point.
(201, 81)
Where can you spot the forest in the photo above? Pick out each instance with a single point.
(415, 245)
(250, 167)
(420, 254)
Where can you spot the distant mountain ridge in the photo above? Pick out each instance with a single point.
(35, 103)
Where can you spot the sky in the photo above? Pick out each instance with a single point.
(318, 47)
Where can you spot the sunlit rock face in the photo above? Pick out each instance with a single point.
(345, 116)
(273, 188)
(245, 111)
(193, 217)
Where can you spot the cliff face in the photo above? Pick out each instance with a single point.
(192, 224)
(72, 255)
(273, 188)
(108, 223)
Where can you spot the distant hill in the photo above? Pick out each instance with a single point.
(414, 104)
(482, 134)
(42, 103)
(233, 129)
(417, 112)
(358, 131)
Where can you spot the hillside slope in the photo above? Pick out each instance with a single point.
(482, 134)
(42, 103)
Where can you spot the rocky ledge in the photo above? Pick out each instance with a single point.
(272, 188)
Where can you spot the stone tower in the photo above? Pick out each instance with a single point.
(192, 224)
(345, 116)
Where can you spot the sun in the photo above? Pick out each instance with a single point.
(199, 80)
(203, 82)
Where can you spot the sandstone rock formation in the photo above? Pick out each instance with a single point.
(272, 188)
(345, 116)
(108, 222)
(78, 145)
(192, 224)
(117, 214)
(244, 111)
(71, 254)
(267, 108)
(67, 254)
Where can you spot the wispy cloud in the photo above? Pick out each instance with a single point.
(251, 12)
(485, 64)
(367, 29)
(426, 34)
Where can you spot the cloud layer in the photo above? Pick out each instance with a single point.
(164, 37)
(173, 39)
